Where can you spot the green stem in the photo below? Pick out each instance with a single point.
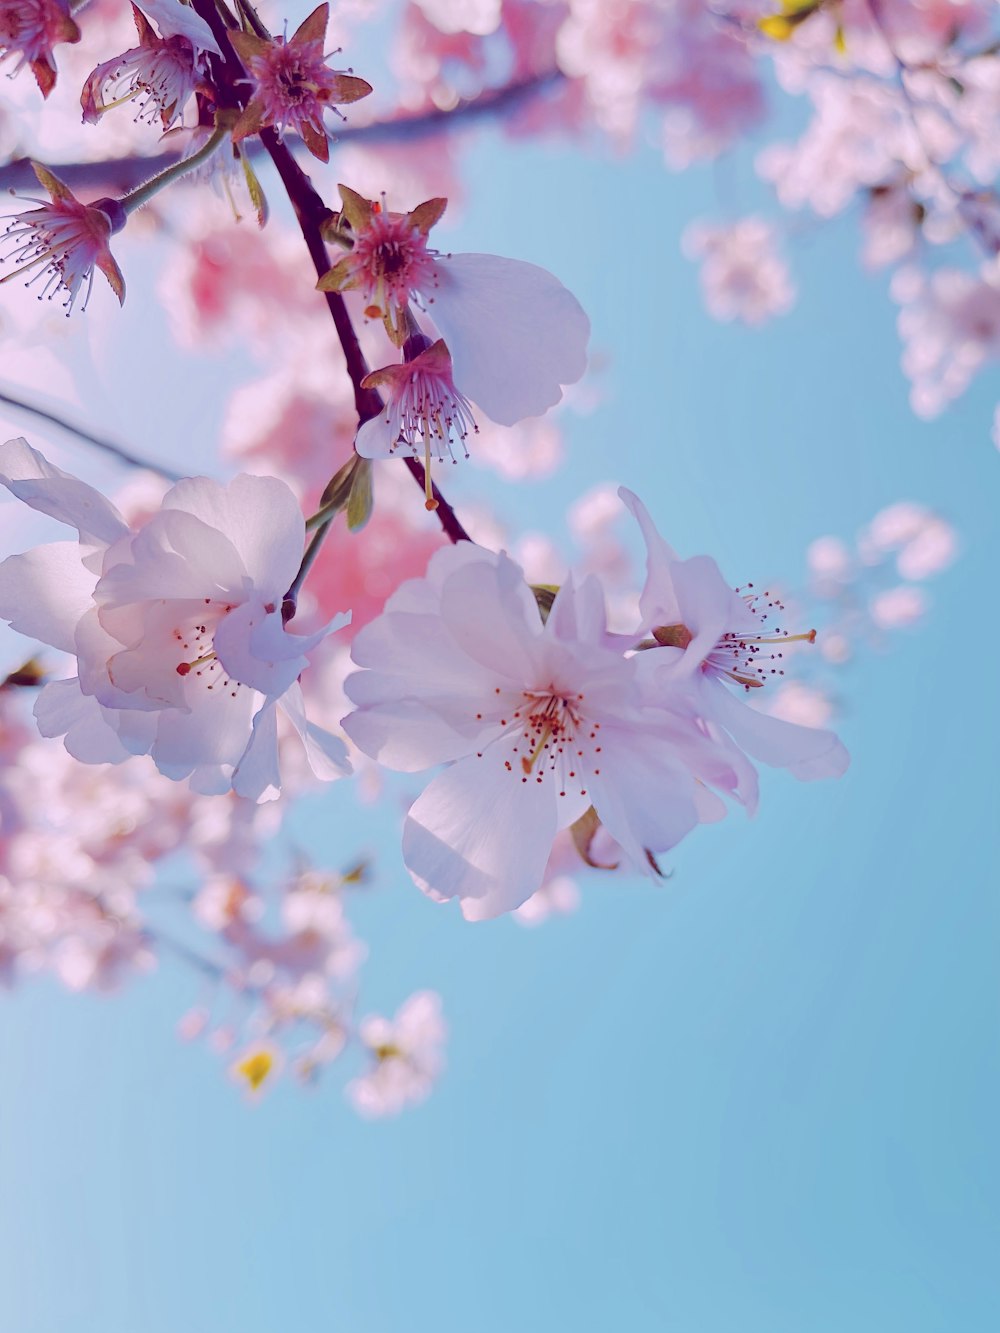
(143, 193)
(290, 600)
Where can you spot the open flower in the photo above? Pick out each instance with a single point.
(709, 638)
(515, 334)
(292, 85)
(63, 241)
(160, 73)
(30, 29)
(537, 723)
(425, 415)
(177, 627)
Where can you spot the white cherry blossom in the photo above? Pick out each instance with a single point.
(537, 722)
(177, 626)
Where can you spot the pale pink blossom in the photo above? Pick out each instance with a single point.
(515, 335)
(424, 415)
(743, 275)
(63, 241)
(406, 1055)
(537, 721)
(30, 29)
(706, 638)
(177, 627)
(160, 74)
(950, 326)
(899, 606)
(922, 541)
(291, 85)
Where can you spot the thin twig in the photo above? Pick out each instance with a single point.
(115, 450)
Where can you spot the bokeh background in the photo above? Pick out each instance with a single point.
(758, 1097)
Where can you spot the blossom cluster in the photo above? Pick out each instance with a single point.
(215, 650)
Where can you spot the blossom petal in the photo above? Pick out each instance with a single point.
(326, 753)
(479, 834)
(62, 496)
(809, 753)
(259, 515)
(515, 333)
(257, 776)
(176, 20)
(45, 592)
(255, 648)
(62, 710)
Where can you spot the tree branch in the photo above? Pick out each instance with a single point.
(118, 175)
(106, 446)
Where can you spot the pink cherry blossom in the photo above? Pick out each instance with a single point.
(743, 276)
(177, 627)
(950, 326)
(30, 29)
(160, 74)
(515, 334)
(537, 721)
(424, 412)
(291, 84)
(406, 1054)
(707, 637)
(63, 241)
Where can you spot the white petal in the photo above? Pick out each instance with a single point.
(514, 332)
(326, 753)
(39, 483)
(256, 649)
(808, 753)
(45, 592)
(376, 439)
(176, 20)
(258, 774)
(61, 710)
(480, 834)
(259, 515)
(176, 556)
(643, 795)
(658, 601)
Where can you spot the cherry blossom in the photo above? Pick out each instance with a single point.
(291, 84)
(177, 627)
(424, 413)
(160, 73)
(68, 240)
(742, 275)
(406, 1057)
(707, 637)
(539, 721)
(30, 29)
(515, 335)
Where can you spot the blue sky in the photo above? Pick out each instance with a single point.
(758, 1098)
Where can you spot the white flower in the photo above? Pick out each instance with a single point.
(708, 638)
(177, 627)
(537, 723)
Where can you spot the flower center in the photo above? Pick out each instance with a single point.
(391, 261)
(551, 737)
(196, 637)
(744, 657)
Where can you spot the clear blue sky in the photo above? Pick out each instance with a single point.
(761, 1098)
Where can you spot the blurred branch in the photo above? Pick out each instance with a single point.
(118, 175)
(106, 446)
